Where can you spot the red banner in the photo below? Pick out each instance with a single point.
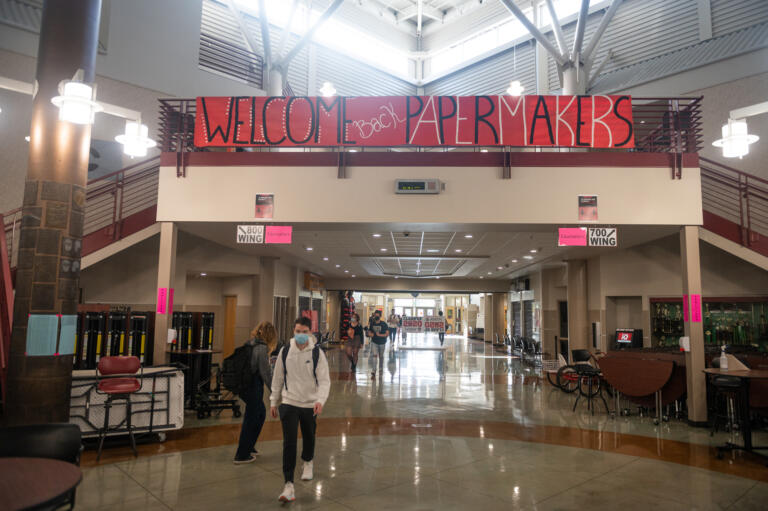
(564, 121)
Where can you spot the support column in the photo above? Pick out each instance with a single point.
(498, 314)
(578, 324)
(265, 299)
(694, 360)
(52, 213)
(166, 276)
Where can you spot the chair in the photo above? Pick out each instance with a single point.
(56, 441)
(120, 383)
(581, 357)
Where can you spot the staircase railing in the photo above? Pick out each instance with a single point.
(735, 204)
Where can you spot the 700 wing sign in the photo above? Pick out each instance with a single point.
(602, 237)
(250, 234)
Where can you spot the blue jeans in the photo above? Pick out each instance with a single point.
(253, 420)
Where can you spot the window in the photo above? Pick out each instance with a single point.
(334, 34)
(477, 44)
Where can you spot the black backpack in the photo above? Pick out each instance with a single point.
(236, 375)
(315, 358)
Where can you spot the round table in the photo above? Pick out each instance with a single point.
(32, 483)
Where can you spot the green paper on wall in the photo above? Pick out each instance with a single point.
(67, 334)
(42, 334)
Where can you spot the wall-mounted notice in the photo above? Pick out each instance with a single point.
(278, 234)
(42, 334)
(696, 308)
(686, 316)
(572, 237)
(265, 205)
(253, 234)
(162, 300)
(67, 334)
(587, 208)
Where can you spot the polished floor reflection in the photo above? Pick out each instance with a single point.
(448, 428)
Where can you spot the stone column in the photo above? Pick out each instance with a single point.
(53, 212)
(578, 324)
(166, 277)
(694, 360)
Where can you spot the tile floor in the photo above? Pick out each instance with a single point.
(463, 429)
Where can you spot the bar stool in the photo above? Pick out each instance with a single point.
(727, 390)
(118, 384)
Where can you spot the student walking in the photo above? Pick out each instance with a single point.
(300, 384)
(262, 342)
(355, 334)
(392, 322)
(378, 331)
(441, 333)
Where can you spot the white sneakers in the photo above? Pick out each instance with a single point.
(288, 494)
(306, 474)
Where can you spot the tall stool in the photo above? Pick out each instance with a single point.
(119, 384)
(727, 390)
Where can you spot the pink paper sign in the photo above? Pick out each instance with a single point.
(572, 237)
(685, 309)
(282, 234)
(162, 296)
(696, 308)
(170, 300)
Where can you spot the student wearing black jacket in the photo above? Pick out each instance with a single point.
(378, 331)
(263, 341)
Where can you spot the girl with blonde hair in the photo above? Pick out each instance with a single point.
(262, 342)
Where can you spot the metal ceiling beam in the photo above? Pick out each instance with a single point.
(581, 25)
(286, 29)
(535, 32)
(413, 11)
(419, 15)
(559, 37)
(309, 34)
(252, 44)
(607, 17)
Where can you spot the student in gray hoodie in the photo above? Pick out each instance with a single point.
(303, 390)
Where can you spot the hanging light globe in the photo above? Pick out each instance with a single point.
(135, 140)
(76, 102)
(736, 139)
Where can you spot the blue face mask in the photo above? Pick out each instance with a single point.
(301, 338)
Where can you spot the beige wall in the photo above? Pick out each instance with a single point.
(540, 195)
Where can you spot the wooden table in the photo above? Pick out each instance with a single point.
(744, 377)
(35, 483)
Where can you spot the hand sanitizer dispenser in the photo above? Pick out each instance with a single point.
(723, 360)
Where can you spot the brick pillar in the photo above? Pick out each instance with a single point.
(53, 212)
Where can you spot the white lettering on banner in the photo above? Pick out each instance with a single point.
(417, 325)
(250, 234)
(602, 237)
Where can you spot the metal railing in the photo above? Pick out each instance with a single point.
(665, 125)
(225, 58)
(11, 227)
(737, 197)
(112, 198)
(661, 125)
